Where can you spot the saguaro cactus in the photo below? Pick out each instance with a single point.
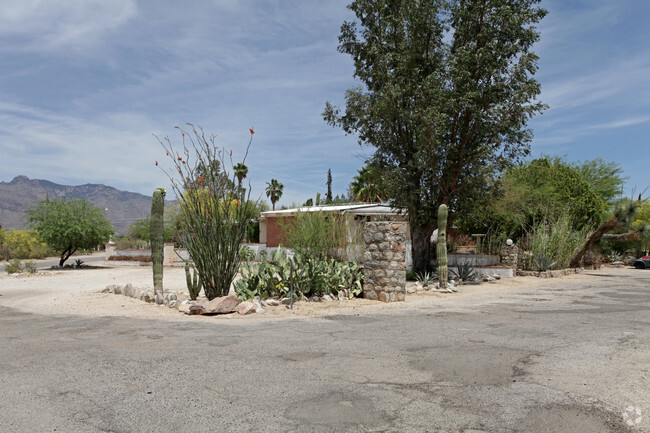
(157, 231)
(442, 246)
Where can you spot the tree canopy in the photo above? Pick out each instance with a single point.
(446, 94)
(542, 190)
(67, 225)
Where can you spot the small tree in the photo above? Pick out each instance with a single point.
(67, 225)
(212, 209)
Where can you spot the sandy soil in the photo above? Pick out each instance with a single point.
(78, 292)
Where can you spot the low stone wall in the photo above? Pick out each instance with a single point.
(550, 274)
(385, 261)
(472, 259)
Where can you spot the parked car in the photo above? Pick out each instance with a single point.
(642, 263)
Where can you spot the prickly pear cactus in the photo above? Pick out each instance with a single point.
(157, 231)
(442, 246)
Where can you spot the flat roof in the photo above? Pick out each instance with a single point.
(355, 209)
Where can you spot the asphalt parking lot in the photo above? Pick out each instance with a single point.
(561, 356)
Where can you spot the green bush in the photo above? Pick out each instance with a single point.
(14, 267)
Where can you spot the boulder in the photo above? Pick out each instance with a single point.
(184, 307)
(196, 309)
(246, 308)
(273, 302)
(222, 305)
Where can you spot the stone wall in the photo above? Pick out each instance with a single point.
(385, 261)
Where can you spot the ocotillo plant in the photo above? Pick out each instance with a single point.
(193, 282)
(213, 210)
(442, 246)
(157, 231)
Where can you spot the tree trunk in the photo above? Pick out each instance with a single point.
(65, 255)
(605, 227)
(421, 247)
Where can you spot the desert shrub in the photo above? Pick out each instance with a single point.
(31, 267)
(24, 244)
(129, 243)
(141, 258)
(552, 244)
(13, 267)
(316, 234)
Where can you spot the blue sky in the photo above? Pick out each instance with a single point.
(85, 83)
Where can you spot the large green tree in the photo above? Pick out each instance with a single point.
(446, 94)
(67, 225)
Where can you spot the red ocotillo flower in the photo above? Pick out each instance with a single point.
(251, 130)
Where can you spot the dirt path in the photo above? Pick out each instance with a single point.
(78, 292)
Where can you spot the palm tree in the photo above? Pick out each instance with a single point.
(274, 191)
(240, 172)
(366, 187)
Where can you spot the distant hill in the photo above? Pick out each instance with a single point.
(123, 208)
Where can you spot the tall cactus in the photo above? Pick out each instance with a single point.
(157, 231)
(442, 246)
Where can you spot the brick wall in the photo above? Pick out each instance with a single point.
(275, 234)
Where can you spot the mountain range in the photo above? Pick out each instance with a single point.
(122, 208)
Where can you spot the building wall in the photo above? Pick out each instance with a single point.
(275, 234)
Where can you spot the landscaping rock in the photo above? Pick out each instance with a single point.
(196, 309)
(159, 297)
(245, 308)
(285, 301)
(274, 302)
(258, 305)
(327, 298)
(222, 305)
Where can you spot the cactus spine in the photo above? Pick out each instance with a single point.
(193, 282)
(157, 231)
(442, 246)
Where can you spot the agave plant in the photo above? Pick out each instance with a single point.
(543, 263)
(425, 278)
(465, 272)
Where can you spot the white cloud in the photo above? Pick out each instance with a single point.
(43, 25)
